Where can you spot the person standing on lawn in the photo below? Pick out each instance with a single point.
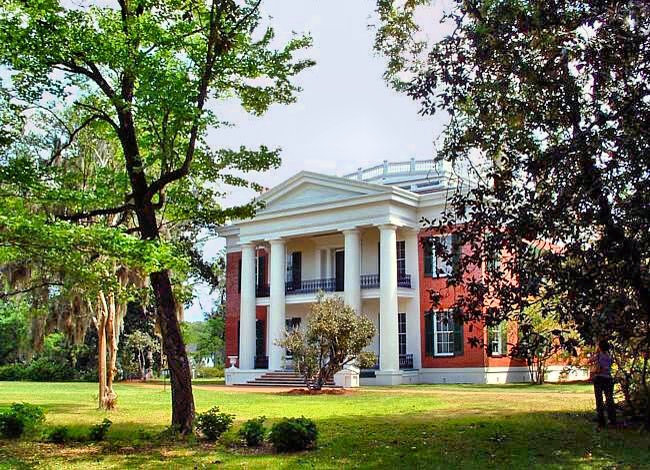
(601, 371)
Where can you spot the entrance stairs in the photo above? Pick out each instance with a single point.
(281, 378)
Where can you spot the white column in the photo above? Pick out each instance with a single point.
(277, 303)
(389, 350)
(352, 284)
(247, 308)
(413, 341)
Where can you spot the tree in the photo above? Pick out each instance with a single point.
(144, 72)
(142, 346)
(549, 106)
(14, 331)
(335, 336)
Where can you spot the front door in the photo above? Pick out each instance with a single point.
(340, 270)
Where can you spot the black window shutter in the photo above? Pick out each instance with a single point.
(428, 257)
(428, 328)
(379, 261)
(259, 338)
(296, 269)
(456, 247)
(458, 338)
(491, 337)
(239, 277)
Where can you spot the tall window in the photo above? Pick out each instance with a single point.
(434, 263)
(294, 270)
(261, 270)
(401, 258)
(401, 333)
(444, 336)
(498, 340)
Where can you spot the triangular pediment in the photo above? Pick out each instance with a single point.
(306, 189)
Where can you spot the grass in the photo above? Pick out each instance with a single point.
(420, 426)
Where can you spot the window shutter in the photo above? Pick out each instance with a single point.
(296, 269)
(456, 247)
(428, 257)
(503, 331)
(458, 338)
(490, 340)
(259, 338)
(239, 277)
(428, 329)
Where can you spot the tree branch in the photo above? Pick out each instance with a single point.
(87, 215)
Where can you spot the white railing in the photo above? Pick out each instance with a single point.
(409, 167)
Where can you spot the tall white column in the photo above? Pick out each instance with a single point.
(413, 340)
(277, 303)
(388, 350)
(352, 284)
(247, 308)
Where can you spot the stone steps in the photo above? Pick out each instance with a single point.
(281, 378)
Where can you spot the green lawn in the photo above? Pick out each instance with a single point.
(450, 426)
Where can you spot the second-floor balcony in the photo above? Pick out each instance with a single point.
(311, 286)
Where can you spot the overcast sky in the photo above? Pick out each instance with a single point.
(345, 117)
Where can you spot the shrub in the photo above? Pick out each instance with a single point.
(210, 372)
(253, 431)
(98, 431)
(12, 372)
(19, 419)
(213, 424)
(58, 435)
(293, 434)
(44, 369)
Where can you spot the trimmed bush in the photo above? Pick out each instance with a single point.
(59, 435)
(44, 369)
(12, 372)
(253, 431)
(210, 372)
(213, 424)
(98, 431)
(20, 419)
(293, 434)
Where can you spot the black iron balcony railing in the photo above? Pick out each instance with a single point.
(261, 362)
(406, 361)
(310, 286)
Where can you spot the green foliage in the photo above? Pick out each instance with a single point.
(12, 372)
(210, 372)
(58, 435)
(335, 336)
(253, 431)
(20, 419)
(98, 431)
(14, 331)
(213, 424)
(293, 434)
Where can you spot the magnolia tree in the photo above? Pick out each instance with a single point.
(335, 337)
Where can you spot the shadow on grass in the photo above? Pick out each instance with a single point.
(429, 440)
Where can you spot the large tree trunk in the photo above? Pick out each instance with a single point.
(174, 349)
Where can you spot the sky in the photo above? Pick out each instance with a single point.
(345, 117)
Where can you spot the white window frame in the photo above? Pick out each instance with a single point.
(496, 332)
(450, 323)
(438, 271)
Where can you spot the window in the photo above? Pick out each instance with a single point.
(401, 333)
(434, 264)
(401, 259)
(443, 335)
(498, 340)
(261, 271)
